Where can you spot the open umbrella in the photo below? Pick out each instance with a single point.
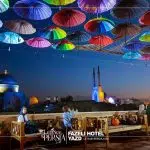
(132, 55)
(96, 6)
(1, 23)
(20, 26)
(59, 2)
(145, 19)
(100, 25)
(11, 38)
(129, 8)
(4, 5)
(146, 50)
(78, 36)
(145, 57)
(101, 40)
(133, 47)
(125, 29)
(145, 37)
(53, 33)
(38, 42)
(32, 9)
(69, 18)
(65, 45)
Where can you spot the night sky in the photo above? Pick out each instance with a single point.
(44, 72)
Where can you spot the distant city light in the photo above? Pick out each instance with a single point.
(111, 100)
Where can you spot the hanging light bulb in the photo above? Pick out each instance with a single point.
(9, 48)
(63, 56)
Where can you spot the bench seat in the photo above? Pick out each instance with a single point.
(122, 128)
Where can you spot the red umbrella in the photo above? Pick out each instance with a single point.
(145, 19)
(69, 18)
(101, 40)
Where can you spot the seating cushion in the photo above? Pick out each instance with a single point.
(121, 128)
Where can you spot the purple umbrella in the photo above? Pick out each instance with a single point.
(32, 9)
(96, 6)
(134, 47)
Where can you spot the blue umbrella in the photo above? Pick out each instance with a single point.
(11, 38)
(134, 47)
(32, 9)
(132, 55)
(79, 36)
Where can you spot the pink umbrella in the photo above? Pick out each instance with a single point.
(145, 57)
(38, 42)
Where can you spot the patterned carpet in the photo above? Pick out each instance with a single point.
(142, 143)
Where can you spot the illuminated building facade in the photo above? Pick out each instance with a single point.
(10, 95)
(98, 94)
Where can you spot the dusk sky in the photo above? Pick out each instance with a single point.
(47, 73)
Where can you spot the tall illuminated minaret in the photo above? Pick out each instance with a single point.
(100, 90)
(94, 82)
(94, 89)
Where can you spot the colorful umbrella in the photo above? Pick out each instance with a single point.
(145, 19)
(79, 36)
(59, 2)
(32, 9)
(65, 45)
(129, 8)
(146, 50)
(125, 29)
(4, 5)
(101, 40)
(38, 42)
(100, 25)
(53, 33)
(145, 57)
(133, 47)
(69, 18)
(132, 55)
(20, 26)
(145, 37)
(96, 6)
(11, 38)
(1, 23)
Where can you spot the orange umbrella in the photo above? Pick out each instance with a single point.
(101, 40)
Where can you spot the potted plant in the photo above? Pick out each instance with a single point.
(148, 114)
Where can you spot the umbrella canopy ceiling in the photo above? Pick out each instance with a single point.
(146, 49)
(20, 26)
(99, 25)
(132, 55)
(59, 2)
(4, 5)
(134, 46)
(96, 6)
(11, 38)
(69, 18)
(101, 40)
(38, 42)
(65, 45)
(79, 36)
(53, 33)
(129, 8)
(145, 37)
(126, 29)
(32, 9)
(145, 19)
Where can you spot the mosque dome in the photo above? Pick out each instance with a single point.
(8, 82)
